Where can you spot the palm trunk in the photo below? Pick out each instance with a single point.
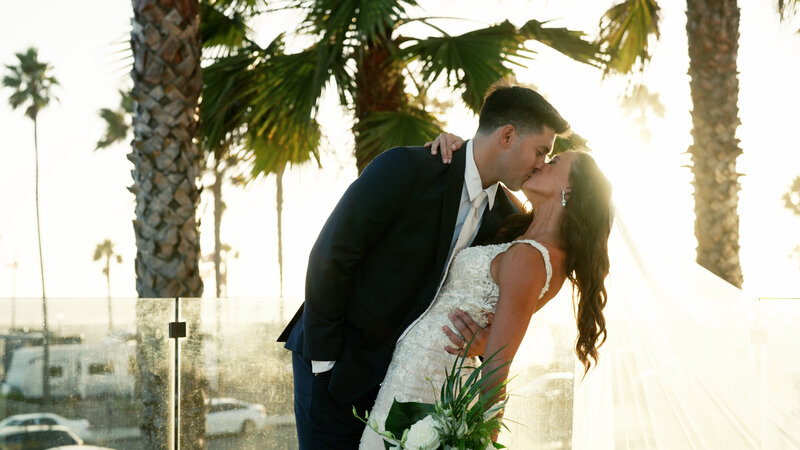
(166, 86)
(279, 209)
(379, 87)
(108, 292)
(218, 209)
(713, 31)
(218, 280)
(45, 328)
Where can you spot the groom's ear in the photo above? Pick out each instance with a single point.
(507, 135)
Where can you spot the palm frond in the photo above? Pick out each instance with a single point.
(228, 86)
(218, 29)
(791, 198)
(294, 144)
(117, 121)
(289, 84)
(245, 7)
(262, 99)
(472, 61)
(14, 80)
(625, 34)
(362, 20)
(116, 128)
(787, 8)
(572, 43)
(381, 131)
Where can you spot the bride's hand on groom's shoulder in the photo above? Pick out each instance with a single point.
(446, 144)
(466, 328)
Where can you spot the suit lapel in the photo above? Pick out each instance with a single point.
(450, 203)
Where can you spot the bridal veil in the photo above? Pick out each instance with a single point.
(690, 363)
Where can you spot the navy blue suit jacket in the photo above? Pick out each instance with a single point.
(377, 263)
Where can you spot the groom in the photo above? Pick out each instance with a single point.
(381, 257)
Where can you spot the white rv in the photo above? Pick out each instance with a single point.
(84, 370)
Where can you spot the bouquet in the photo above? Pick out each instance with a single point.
(463, 418)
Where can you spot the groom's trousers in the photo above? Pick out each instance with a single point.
(322, 422)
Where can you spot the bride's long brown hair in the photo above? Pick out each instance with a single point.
(584, 228)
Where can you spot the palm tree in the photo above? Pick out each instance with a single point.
(105, 250)
(712, 27)
(232, 117)
(268, 99)
(167, 81)
(31, 83)
(118, 129)
(363, 48)
(223, 27)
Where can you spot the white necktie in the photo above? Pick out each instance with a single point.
(470, 224)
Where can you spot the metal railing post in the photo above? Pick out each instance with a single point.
(177, 330)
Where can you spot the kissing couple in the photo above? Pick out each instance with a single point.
(420, 242)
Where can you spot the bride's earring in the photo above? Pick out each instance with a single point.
(563, 198)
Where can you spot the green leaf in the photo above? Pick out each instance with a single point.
(473, 61)
(625, 32)
(218, 29)
(383, 130)
(572, 43)
(363, 20)
(404, 414)
(116, 128)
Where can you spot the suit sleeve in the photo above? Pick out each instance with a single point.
(365, 212)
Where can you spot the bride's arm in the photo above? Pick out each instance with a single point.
(446, 143)
(521, 274)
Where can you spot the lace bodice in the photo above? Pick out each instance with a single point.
(418, 365)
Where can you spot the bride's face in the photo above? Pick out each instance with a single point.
(547, 183)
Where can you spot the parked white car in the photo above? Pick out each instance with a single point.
(37, 437)
(81, 427)
(229, 415)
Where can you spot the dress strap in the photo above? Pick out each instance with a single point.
(546, 255)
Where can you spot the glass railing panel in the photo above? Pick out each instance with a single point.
(94, 367)
(248, 374)
(774, 335)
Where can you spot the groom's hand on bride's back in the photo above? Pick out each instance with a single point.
(466, 328)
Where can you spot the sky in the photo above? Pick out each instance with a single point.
(84, 197)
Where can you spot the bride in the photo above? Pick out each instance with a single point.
(690, 361)
(564, 239)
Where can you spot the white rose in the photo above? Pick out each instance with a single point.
(423, 435)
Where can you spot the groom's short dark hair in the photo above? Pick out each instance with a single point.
(521, 107)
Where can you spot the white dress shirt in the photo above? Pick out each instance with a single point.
(472, 187)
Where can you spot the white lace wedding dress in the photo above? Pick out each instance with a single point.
(418, 365)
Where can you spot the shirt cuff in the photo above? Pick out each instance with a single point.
(321, 366)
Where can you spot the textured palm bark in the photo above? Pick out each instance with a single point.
(379, 87)
(166, 87)
(713, 32)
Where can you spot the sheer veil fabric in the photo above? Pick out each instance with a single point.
(690, 363)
